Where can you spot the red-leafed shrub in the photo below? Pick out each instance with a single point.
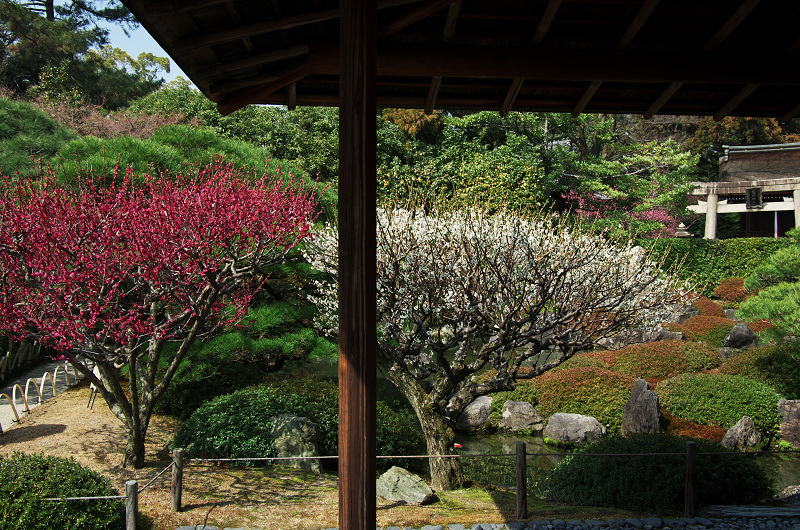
(708, 307)
(760, 325)
(704, 328)
(732, 290)
(667, 358)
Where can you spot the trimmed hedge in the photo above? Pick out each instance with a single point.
(667, 358)
(654, 483)
(26, 479)
(706, 262)
(720, 399)
(732, 290)
(237, 425)
(775, 365)
(708, 329)
(583, 390)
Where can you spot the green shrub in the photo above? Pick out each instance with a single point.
(709, 308)
(709, 329)
(583, 360)
(720, 399)
(775, 365)
(27, 479)
(583, 390)
(654, 483)
(237, 425)
(666, 358)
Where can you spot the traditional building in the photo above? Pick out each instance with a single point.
(759, 182)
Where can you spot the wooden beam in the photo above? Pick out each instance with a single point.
(252, 61)
(792, 114)
(450, 24)
(586, 98)
(638, 22)
(433, 93)
(662, 99)
(252, 29)
(243, 98)
(357, 265)
(425, 10)
(291, 96)
(568, 64)
(541, 30)
(731, 24)
(735, 101)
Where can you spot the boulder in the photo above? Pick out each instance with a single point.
(296, 436)
(573, 428)
(743, 435)
(684, 313)
(727, 353)
(520, 415)
(641, 413)
(731, 315)
(741, 337)
(476, 414)
(397, 484)
(789, 409)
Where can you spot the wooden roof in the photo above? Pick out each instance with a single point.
(697, 57)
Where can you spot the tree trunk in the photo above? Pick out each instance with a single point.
(446, 473)
(134, 449)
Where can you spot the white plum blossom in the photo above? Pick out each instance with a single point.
(461, 291)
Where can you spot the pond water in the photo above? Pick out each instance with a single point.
(784, 469)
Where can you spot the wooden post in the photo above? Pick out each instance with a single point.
(691, 452)
(522, 483)
(357, 267)
(796, 198)
(131, 504)
(177, 479)
(711, 216)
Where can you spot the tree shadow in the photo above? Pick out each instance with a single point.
(27, 433)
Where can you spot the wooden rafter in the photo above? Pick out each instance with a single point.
(541, 30)
(433, 93)
(240, 99)
(633, 29)
(735, 101)
(726, 29)
(253, 61)
(428, 8)
(450, 24)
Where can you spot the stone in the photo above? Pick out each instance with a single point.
(655, 522)
(743, 435)
(398, 484)
(517, 525)
(789, 409)
(684, 313)
(296, 436)
(573, 428)
(727, 353)
(731, 315)
(476, 414)
(520, 415)
(638, 336)
(741, 337)
(640, 413)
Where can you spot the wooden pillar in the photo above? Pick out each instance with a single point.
(711, 217)
(357, 268)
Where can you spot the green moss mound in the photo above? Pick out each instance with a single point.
(590, 391)
(237, 425)
(721, 400)
(777, 366)
(654, 483)
(663, 359)
(27, 479)
(705, 328)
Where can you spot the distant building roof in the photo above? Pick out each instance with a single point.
(760, 162)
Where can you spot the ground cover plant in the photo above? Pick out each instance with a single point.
(115, 274)
(720, 399)
(703, 328)
(732, 290)
(663, 359)
(654, 483)
(26, 479)
(496, 289)
(775, 365)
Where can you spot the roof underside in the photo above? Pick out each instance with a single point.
(697, 57)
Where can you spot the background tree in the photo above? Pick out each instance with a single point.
(461, 292)
(113, 275)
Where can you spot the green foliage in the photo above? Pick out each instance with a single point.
(719, 399)
(27, 479)
(709, 329)
(705, 263)
(642, 482)
(777, 366)
(237, 425)
(782, 266)
(26, 133)
(582, 390)
(665, 358)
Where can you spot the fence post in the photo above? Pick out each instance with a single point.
(177, 479)
(689, 503)
(522, 483)
(131, 504)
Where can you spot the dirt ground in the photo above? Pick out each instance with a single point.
(275, 497)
